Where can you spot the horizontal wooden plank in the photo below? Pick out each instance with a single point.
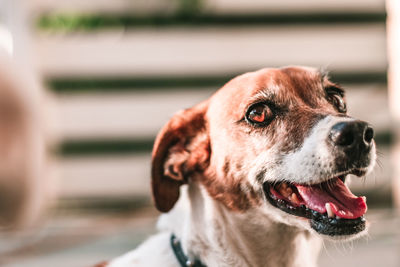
(205, 51)
(140, 115)
(115, 6)
(362, 98)
(105, 176)
(122, 115)
(216, 6)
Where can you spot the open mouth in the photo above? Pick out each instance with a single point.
(331, 207)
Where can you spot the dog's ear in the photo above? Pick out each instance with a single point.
(180, 149)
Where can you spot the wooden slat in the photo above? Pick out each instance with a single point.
(105, 176)
(142, 114)
(121, 115)
(217, 6)
(204, 51)
(114, 6)
(362, 101)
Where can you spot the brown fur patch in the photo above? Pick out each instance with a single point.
(229, 191)
(229, 187)
(179, 150)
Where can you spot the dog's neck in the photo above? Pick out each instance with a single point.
(220, 237)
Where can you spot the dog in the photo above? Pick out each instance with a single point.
(257, 174)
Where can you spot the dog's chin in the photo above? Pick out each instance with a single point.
(342, 216)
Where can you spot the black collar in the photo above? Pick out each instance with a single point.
(180, 255)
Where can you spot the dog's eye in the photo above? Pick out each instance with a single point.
(338, 101)
(259, 113)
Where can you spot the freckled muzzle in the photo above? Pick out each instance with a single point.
(318, 191)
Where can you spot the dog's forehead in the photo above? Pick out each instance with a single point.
(287, 85)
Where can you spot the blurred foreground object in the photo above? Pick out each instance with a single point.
(23, 184)
(393, 33)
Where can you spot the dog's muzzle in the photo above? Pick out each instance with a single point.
(330, 205)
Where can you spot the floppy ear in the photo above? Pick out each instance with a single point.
(180, 149)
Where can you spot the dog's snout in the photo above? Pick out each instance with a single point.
(352, 135)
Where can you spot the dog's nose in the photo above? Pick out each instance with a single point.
(351, 135)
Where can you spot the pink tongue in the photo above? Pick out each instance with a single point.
(342, 201)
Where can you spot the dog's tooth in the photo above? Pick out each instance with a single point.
(294, 198)
(288, 192)
(329, 210)
(285, 190)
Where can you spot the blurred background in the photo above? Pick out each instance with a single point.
(107, 74)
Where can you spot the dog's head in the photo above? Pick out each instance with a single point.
(277, 140)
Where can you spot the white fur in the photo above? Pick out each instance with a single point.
(220, 237)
